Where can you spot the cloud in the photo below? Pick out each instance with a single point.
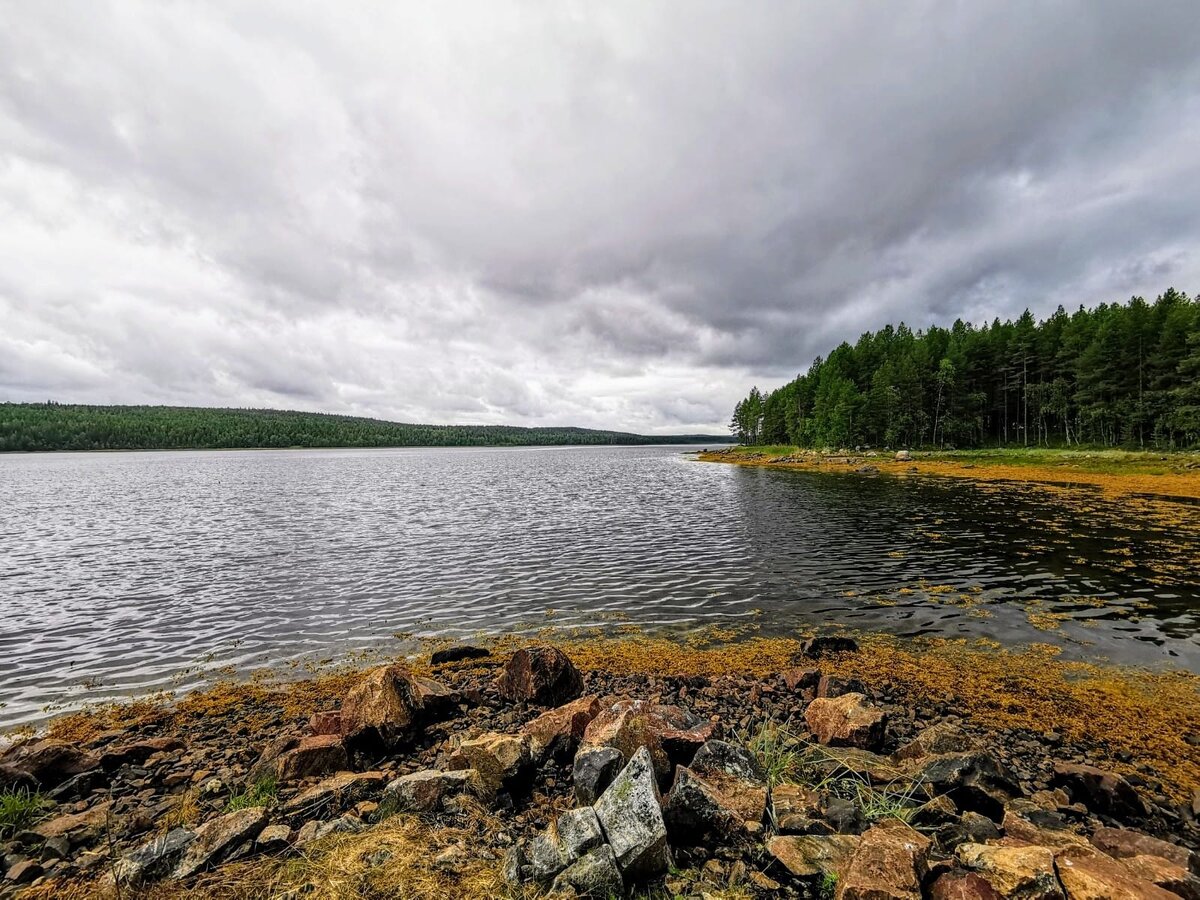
(617, 215)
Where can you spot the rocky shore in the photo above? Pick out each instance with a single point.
(488, 774)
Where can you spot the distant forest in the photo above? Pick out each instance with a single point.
(54, 426)
(1122, 374)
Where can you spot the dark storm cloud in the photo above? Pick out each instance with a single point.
(617, 214)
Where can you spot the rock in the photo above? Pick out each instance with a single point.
(630, 813)
(311, 832)
(1088, 875)
(218, 838)
(25, 871)
(458, 654)
(14, 779)
(974, 781)
(56, 848)
(427, 791)
(723, 795)
(46, 762)
(572, 835)
(1099, 790)
(837, 761)
(556, 734)
(797, 810)
(630, 724)
(888, 863)
(1121, 843)
(826, 644)
(813, 857)
(153, 859)
(843, 816)
(82, 827)
(936, 740)
(596, 876)
(302, 757)
(333, 795)
(903, 456)
(961, 885)
(594, 770)
(1026, 822)
(434, 700)
(503, 761)
(833, 686)
(273, 838)
(326, 722)
(1022, 873)
(799, 680)
(382, 708)
(137, 752)
(543, 676)
(846, 721)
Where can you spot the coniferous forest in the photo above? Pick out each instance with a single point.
(55, 426)
(1118, 375)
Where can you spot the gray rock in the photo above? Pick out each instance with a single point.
(595, 768)
(630, 812)
(427, 791)
(595, 876)
(730, 759)
(217, 838)
(153, 859)
(572, 835)
(311, 832)
(273, 838)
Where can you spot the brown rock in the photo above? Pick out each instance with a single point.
(540, 675)
(138, 751)
(801, 679)
(630, 724)
(503, 761)
(302, 757)
(888, 863)
(960, 885)
(49, 762)
(1164, 874)
(797, 810)
(1025, 822)
(428, 790)
(812, 857)
(1098, 790)
(434, 699)
(557, 733)
(1121, 843)
(217, 839)
(332, 795)
(723, 796)
(846, 721)
(937, 739)
(383, 706)
(81, 827)
(1021, 873)
(327, 721)
(1088, 875)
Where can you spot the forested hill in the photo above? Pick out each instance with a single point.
(1116, 375)
(53, 426)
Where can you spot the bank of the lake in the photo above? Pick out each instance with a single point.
(786, 764)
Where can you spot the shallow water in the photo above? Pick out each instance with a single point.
(127, 573)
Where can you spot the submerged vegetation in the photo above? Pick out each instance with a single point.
(1117, 375)
(57, 426)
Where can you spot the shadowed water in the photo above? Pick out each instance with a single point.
(119, 572)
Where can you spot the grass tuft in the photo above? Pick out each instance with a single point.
(262, 793)
(19, 809)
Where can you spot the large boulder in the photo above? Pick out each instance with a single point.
(504, 761)
(382, 707)
(295, 757)
(888, 862)
(594, 770)
(557, 733)
(220, 838)
(1099, 790)
(846, 721)
(572, 835)
(46, 763)
(596, 876)
(670, 734)
(722, 796)
(543, 676)
(1024, 872)
(1088, 875)
(427, 791)
(630, 812)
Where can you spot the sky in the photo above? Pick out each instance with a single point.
(617, 214)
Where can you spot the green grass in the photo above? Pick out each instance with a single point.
(262, 793)
(19, 809)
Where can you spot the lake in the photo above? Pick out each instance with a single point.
(128, 573)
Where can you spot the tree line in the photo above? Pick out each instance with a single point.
(55, 426)
(1121, 374)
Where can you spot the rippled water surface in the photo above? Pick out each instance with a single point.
(119, 572)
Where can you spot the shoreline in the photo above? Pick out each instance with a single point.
(1029, 710)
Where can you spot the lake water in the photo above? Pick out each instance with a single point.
(126, 573)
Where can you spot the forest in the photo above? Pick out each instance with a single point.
(1117, 375)
(55, 426)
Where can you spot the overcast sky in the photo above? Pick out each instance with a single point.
(599, 213)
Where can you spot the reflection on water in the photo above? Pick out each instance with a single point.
(120, 571)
